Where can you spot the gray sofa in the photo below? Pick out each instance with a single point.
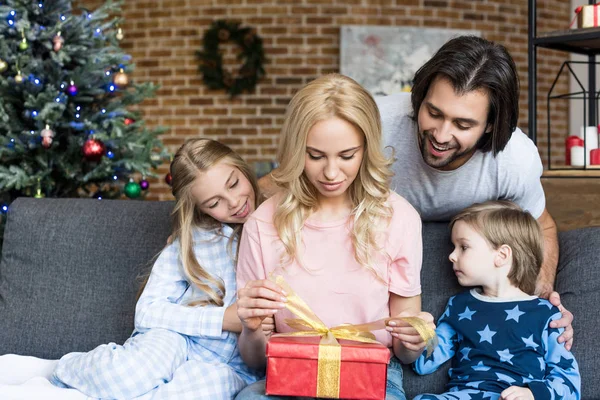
(70, 271)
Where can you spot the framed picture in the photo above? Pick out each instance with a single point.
(384, 59)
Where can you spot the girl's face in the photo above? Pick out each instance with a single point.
(334, 153)
(224, 193)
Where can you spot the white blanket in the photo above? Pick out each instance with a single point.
(27, 378)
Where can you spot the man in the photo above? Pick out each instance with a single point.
(455, 142)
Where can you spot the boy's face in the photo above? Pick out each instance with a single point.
(473, 259)
(450, 125)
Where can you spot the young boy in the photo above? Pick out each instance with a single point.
(497, 334)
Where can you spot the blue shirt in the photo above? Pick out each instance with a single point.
(495, 344)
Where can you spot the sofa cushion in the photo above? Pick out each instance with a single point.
(578, 282)
(438, 284)
(70, 268)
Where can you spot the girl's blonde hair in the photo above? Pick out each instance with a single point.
(193, 157)
(331, 96)
(502, 222)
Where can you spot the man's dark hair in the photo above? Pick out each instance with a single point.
(471, 63)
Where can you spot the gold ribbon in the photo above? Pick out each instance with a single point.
(330, 351)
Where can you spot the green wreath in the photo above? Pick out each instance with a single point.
(252, 55)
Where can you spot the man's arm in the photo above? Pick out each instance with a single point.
(545, 284)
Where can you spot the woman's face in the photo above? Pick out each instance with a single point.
(334, 153)
(224, 193)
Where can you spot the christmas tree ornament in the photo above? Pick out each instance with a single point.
(38, 190)
(168, 179)
(72, 89)
(23, 45)
(47, 135)
(93, 149)
(121, 79)
(144, 184)
(132, 189)
(129, 121)
(3, 66)
(57, 42)
(119, 34)
(18, 77)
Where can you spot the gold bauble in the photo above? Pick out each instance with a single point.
(121, 79)
(3, 66)
(19, 78)
(119, 34)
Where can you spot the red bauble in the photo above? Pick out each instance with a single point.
(168, 179)
(93, 150)
(129, 121)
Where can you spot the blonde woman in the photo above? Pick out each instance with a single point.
(185, 340)
(349, 246)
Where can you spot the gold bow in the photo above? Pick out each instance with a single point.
(330, 351)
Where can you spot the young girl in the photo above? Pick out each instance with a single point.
(348, 246)
(498, 334)
(185, 342)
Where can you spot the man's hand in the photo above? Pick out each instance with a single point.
(516, 393)
(565, 322)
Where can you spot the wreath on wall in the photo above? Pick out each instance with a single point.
(252, 55)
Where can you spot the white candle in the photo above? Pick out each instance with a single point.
(590, 137)
(577, 156)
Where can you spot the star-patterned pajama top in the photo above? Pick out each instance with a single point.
(497, 343)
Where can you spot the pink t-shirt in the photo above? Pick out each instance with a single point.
(337, 288)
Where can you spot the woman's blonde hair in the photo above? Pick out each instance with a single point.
(331, 96)
(502, 222)
(193, 157)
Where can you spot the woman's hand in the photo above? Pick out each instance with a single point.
(257, 301)
(405, 333)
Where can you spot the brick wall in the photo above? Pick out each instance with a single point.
(301, 41)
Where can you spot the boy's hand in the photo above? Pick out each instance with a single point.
(268, 326)
(405, 333)
(257, 301)
(516, 393)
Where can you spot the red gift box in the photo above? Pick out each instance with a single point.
(293, 368)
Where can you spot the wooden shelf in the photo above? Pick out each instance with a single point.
(592, 171)
(581, 41)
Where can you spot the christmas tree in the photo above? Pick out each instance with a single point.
(67, 128)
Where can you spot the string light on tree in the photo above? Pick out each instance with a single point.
(3, 66)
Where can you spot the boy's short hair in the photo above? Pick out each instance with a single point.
(503, 222)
